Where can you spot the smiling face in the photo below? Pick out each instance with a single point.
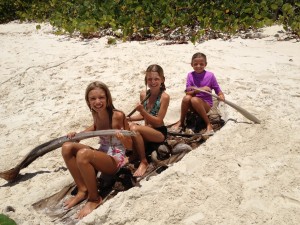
(97, 95)
(97, 99)
(153, 80)
(199, 64)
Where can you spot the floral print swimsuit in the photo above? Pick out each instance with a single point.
(113, 146)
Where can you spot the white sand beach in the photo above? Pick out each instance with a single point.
(245, 174)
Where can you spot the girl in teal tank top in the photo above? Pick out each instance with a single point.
(153, 112)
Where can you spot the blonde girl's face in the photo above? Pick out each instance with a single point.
(153, 80)
(97, 99)
(199, 64)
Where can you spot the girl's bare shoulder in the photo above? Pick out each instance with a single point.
(118, 114)
(165, 96)
(118, 119)
(143, 93)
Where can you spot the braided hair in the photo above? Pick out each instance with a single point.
(160, 71)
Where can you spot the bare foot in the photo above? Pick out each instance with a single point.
(89, 207)
(141, 170)
(72, 201)
(176, 126)
(209, 128)
(209, 131)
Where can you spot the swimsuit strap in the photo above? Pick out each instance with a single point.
(155, 109)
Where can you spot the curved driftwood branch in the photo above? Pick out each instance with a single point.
(244, 112)
(49, 146)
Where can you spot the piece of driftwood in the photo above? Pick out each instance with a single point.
(244, 112)
(11, 174)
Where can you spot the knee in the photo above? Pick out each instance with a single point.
(83, 155)
(196, 100)
(134, 127)
(186, 99)
(66, 148)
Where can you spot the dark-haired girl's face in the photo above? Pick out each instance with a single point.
(97, 99)
(153, 80)
(199, 64)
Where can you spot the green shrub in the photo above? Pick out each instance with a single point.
(145, 18)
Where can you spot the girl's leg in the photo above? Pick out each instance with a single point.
(185, 105)
(144, 133)
(69, 153)
(88, 161)
(202, 108)
(140, 149)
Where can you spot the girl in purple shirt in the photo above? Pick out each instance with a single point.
(196, 100)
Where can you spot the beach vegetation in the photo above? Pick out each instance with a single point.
(5, 220)
(160, 19)
(111, 41)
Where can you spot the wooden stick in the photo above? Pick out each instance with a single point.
(244, 112)
(49, 146)
(146, 98)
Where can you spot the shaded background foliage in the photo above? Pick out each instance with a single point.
(142, 19)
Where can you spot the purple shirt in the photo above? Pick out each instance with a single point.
(205, 78)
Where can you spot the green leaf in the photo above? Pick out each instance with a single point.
(138, 9)
(151, 29)
(274, 6)
(257, 16)
(111, 41)
(287, 9)
(248, 10)
(5, 220)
